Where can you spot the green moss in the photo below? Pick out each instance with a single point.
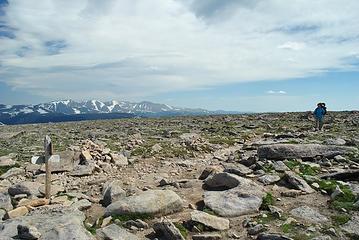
(208, 210)
(340, 219)
(182, 229)
(291, 164)
(268, 168)
(288, 227)
(308, 170)
(267, 200)
(91, 229)
(343, 201)
(133, 216)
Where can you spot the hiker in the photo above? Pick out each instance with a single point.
(319, 113)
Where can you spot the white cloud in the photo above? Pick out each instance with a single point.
(133, 49)
(292, 46)
(276, 92)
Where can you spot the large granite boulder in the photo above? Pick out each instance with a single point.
(285, 151)
(152, 202)
(244, 199)
(114, 232)
(51, 222)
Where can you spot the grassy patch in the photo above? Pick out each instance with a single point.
(182, 229)
(268, 168)
(4, 169)
(209, 211)
(291, 164)
(269, 218)
(343, 201)
(340, 219)
(133, 216)
(267, 200)
(308, 170)
(91, 229)
(222, 140)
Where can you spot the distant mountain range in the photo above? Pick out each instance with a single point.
(69, 110)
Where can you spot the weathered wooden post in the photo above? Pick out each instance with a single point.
(48, 158)
(48, 153)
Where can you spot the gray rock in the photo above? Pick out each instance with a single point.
(285, 151)
(83, 170)
(269, 179)
(82, 204)
(207, 236)
(308, 214)
(211, 221)
(119, 159)
(297, 182)
(222, 181)
(6, 161)
(237, 169)
(325, 237)
(256, 229)
(168, 230)
(272, 236)
(26, 187)
(114, 232)
(12, 172)
(151, 202)
(66, 163)
(112, 192)
(352, 227)
(58, 223)
(335, 141)
(242, 200)
(210, 170)
(5, 201)
(280, 166)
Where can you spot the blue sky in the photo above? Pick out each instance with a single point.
(243, 55)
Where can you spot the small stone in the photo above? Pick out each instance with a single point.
(256, 229)
(211, 221)
(17, 212)
(106, 221)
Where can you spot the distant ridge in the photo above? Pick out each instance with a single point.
(69, 110)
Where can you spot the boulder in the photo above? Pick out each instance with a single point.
(272, 236)
(150, 202)
(26, 187)
(237, 169)
(33, 202)
(12, 172)
(112, 192)
(244, 199)
(297, 182)
(52, 222)
(5, 201)
(309, 215)
(83, 170)
(209, 170)
(6, 161)
(17, 212)
(114, 232)
(269, 179)
(119, 159)
(66, 163)
(285, 151)
(221, 181)
(168, 230)
(211, 221)
(207, 236)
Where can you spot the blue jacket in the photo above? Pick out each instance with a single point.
(319, 113)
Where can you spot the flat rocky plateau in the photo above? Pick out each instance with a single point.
(258, 176)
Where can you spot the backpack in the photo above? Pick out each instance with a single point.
(325, 110)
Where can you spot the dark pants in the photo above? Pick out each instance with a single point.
(319, 122)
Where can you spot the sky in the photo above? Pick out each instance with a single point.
(240, 55)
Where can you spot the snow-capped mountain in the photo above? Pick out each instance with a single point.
(70, 107)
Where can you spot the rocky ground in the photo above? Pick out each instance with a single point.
(261, 176)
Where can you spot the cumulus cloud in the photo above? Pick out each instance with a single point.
(133, 49)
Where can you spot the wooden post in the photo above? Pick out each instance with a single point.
(48, 152)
